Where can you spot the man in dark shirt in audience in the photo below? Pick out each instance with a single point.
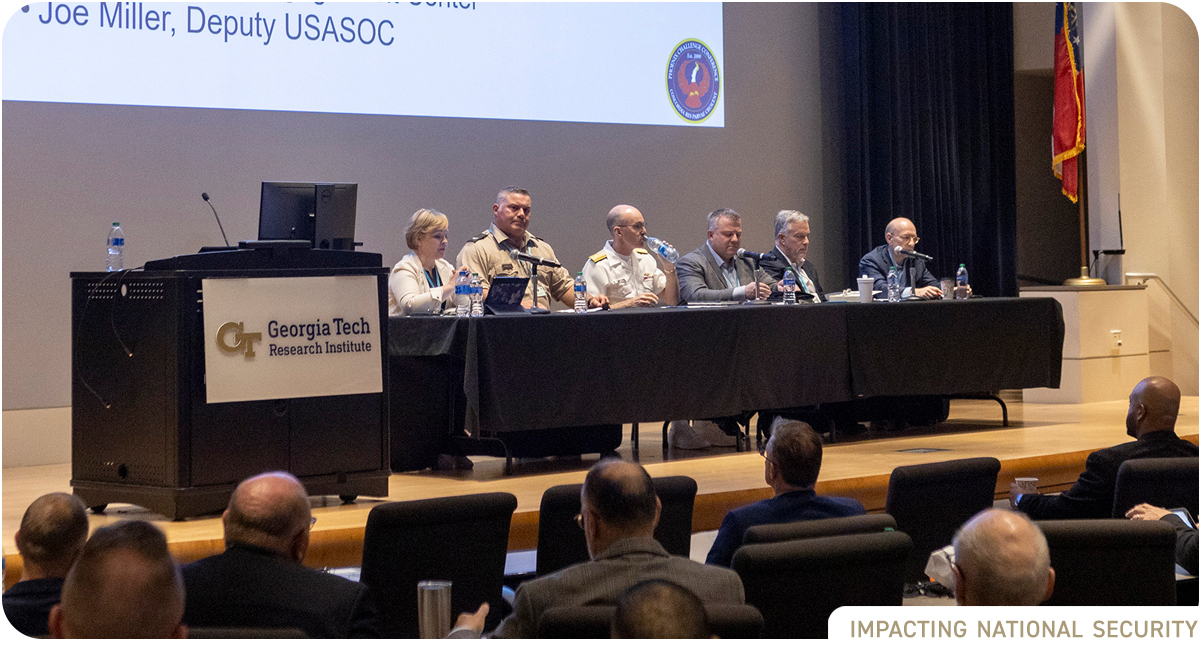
(125, 585)
(52, 533)
(793, 463)
(619, 513)
(1153, 408)
(1185, 535)
(259, 582)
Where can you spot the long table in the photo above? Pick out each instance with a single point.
(519, 373)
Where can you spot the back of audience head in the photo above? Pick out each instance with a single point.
(618, 500)
(794, 452)
(124, 585)
(1153, 406)
(52, 533)
(1001, 558)
(658, 609)
(270, 511)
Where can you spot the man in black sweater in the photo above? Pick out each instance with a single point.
(1153, 408)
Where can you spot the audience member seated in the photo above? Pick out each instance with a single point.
(52, 533)
(1153, 408)
(1185, 534)
(618, 514)
(259, 582)
(793, 463)
(659, 609)
(125, 585)
(1001, 558)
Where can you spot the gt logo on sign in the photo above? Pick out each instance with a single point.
(245, 340)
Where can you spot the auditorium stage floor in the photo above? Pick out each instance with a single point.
(1047, 441)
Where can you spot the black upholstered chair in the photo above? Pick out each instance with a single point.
(1170, 483)
(462, 539)
(245, 633)
(727, 621)
(796, 585)
(1111, 562)
(931, 501)
(561, 542)
(812, 529)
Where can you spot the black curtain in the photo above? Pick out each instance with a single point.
(927, 102)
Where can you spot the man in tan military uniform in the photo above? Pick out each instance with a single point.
(487, 253)
(624, 271)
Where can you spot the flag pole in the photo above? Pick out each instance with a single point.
(1084, 278)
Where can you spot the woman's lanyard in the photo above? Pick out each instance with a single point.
(435, 281)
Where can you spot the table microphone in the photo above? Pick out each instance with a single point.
(743, 253)
(525, 256)
(912, 253)
(204, 196)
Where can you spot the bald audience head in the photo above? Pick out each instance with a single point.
(1001, 558)
(658, 609)
(1153, 406)
(52, 533)
(270, 511)
(618, 501)
(125, 585)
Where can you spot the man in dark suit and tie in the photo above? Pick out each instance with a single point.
(1153, 408)
(713, 273)
(793, 463)
(259, 582)
(915, 280)
(791, 251)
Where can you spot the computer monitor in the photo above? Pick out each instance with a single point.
(321, 213)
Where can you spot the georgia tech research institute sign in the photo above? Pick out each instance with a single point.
(291, 337)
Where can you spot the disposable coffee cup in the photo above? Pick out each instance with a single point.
(866, 289)
(433, 608)
(947, 286)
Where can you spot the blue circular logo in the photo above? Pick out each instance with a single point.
(693, 81)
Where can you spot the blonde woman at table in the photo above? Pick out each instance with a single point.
(423, 282)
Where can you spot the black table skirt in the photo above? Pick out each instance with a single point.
(643, 365)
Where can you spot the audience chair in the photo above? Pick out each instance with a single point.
(1171, 483)
(797, 584)
(931, 501)
(1111, 562)
(812, 529)
(727, 621)
(245, 633)
(560, 540)
(462, 539)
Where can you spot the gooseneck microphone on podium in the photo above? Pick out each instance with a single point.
(204, 196)
(911, 253)
(743, 253)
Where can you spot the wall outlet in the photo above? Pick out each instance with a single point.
(1115, 340)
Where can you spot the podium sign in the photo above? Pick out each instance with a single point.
(293, 337)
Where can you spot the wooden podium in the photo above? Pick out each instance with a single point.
(142, 430)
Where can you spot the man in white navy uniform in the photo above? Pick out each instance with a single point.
(625, 272)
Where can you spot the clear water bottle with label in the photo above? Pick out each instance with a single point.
(476, 295)
(580, 293)
(462, 295)
(788, 285)
(893, 285)
(660, 246)
(960, 283)
(116, 248)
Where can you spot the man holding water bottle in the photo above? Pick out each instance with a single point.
(625, 272)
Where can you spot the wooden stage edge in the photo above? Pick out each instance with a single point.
(1050, 442)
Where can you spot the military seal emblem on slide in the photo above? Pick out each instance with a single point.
(693, 81)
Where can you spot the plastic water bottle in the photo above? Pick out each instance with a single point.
(960, 283)
(116, 248)
(789, 287)
(462, 295)
(657, 245)
(580, 294)
(476, 295)
(893, 285)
